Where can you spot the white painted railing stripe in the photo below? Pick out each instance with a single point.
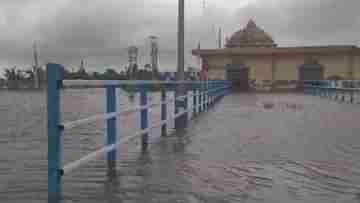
(105, 116)
(94, 155)
(73, 84)
(333, 88)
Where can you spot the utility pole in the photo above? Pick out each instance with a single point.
(180, 49)
(154, 54)
(180, 122)
(220, 38)
(133, 52)
(36, 67)
(82, 67)
(203, 5)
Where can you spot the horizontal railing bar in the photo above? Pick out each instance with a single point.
(105, 116)
(211, 90)
(74, 84)
(93, 155)
(333, 88)
(73, 165)
(330, 80)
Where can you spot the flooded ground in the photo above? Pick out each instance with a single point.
(249, 148)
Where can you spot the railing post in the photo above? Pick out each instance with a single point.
(186, 105)
(199, 86)
(208, 94)
(211, 93)
(194, 99)
(326, 93)
(219, 92)
(181, 121)
(336, 94)
(144, 117)
(176, 108)
(111, 127)
(216, 85)
(222, 91)
(163, 112)
(54, 83)
(204, 95)
(227, 87)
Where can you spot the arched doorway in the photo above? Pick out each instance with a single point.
(238, 74)
(311, 70)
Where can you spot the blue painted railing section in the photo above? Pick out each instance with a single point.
(111, 129)
(54, 132)
(339, 90)
(204, 94)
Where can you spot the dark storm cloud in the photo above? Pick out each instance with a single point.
(101, 30)
(94, 25)
(98, 29)
(326, 17)
(308, 21)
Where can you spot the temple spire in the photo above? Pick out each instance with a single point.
(251, 24)
(250, 36)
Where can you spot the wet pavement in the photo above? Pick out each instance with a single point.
(247, 148)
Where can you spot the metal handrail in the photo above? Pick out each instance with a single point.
(204, 94)
(332, 89)
(104, 116)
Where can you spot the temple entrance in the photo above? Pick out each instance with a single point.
(311, 73)
(311, 70)
(239, 76)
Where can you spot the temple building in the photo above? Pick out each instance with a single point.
(251, 57)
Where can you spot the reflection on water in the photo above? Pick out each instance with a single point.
(249, 148)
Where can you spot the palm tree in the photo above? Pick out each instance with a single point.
(12, 75)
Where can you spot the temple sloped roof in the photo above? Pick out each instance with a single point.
(331, 49)
(250, 36)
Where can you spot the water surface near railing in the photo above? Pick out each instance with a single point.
(300, 149)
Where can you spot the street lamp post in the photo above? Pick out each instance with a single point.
(180, 122)
(181, 27)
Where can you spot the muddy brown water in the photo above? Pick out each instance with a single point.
(247, 148)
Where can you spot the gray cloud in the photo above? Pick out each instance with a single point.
(307, 21)
(101, 30)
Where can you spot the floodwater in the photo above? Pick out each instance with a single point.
(248, 148)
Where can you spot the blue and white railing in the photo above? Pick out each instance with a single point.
(204, 93)
(339, 90)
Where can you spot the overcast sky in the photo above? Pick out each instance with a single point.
(101, 30)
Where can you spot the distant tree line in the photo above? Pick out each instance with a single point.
(110, 74)
(19, 78)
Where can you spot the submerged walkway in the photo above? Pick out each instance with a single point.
(249, 148)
